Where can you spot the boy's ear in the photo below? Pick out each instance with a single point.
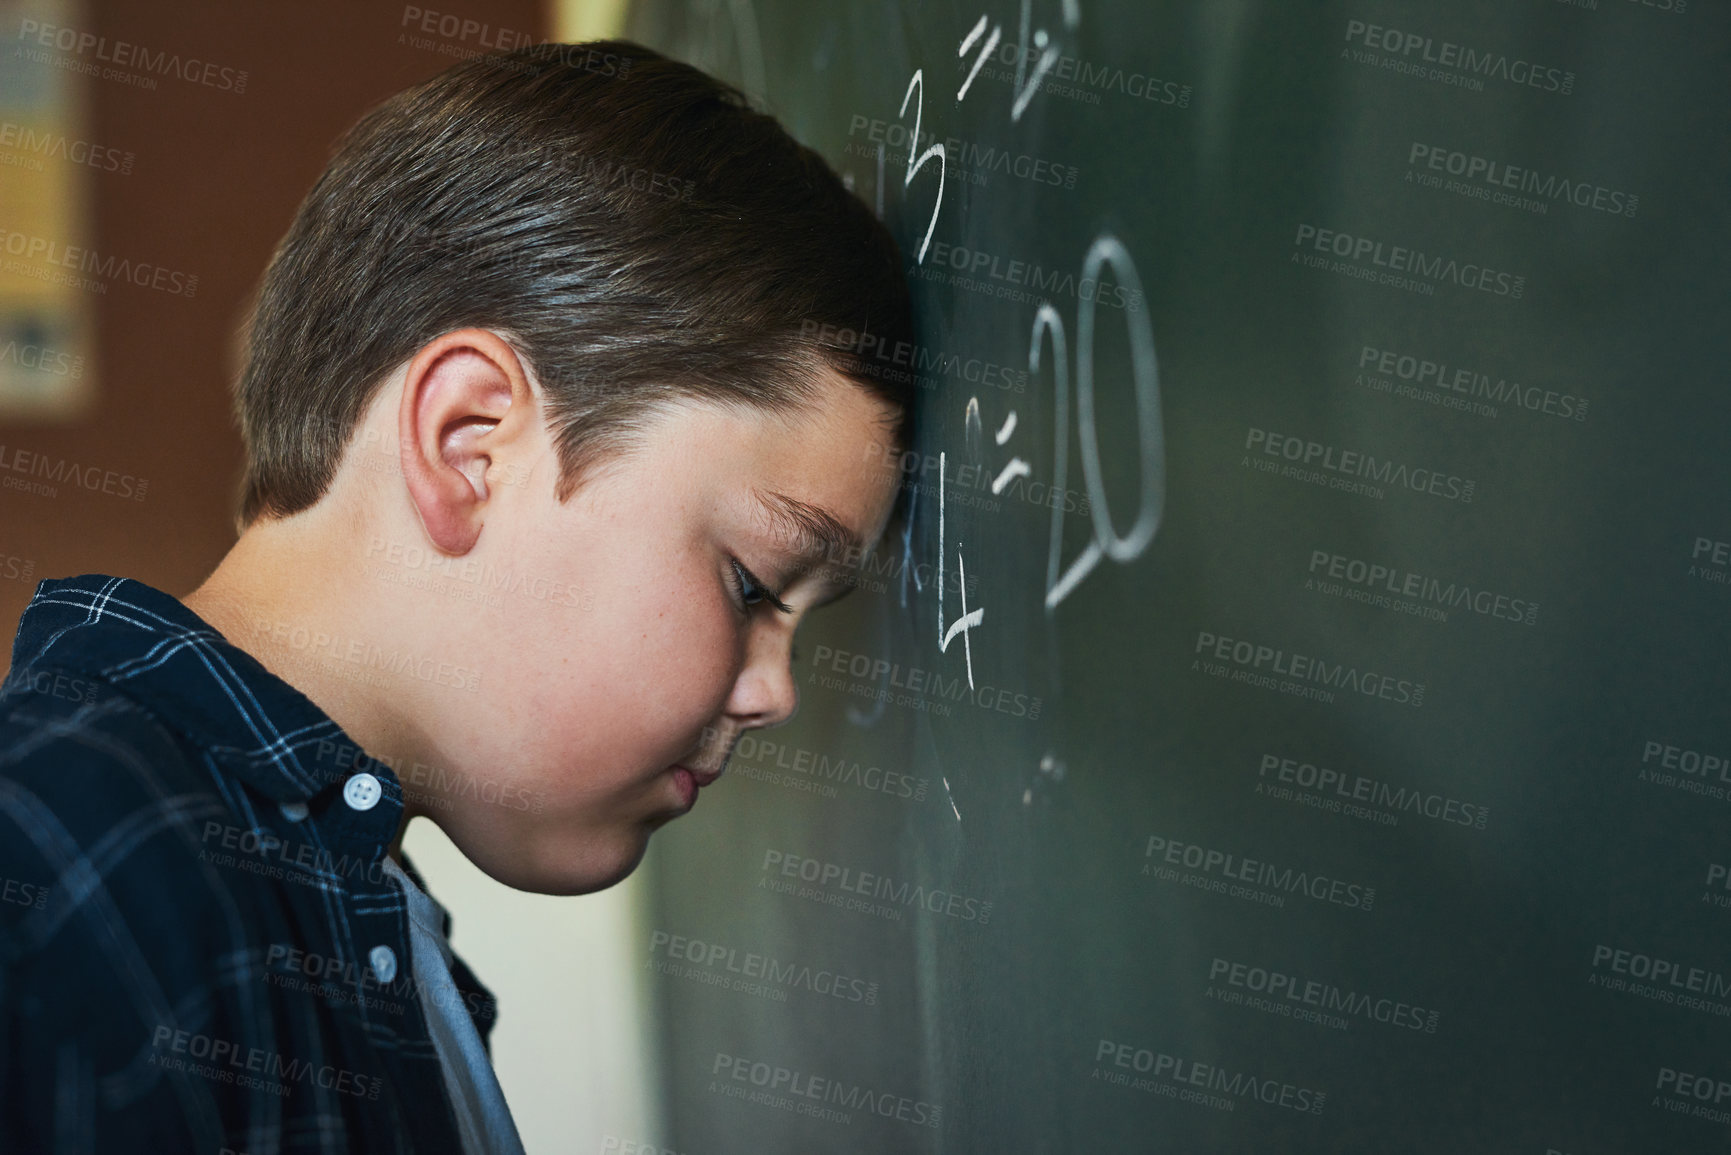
(458, 392)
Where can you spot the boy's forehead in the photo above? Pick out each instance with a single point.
(818, 478)
(808, 530)
(826, 478)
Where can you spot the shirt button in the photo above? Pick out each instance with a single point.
(384, 961)
(362, 791)
(294, 811)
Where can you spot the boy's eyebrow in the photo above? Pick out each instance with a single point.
(815, 531)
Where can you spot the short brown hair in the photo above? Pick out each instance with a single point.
(631, 225)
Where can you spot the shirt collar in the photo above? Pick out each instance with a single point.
(147, 646)
(150, 647)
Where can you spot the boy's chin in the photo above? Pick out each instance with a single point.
(595, 864)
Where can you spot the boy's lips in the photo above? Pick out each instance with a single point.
(702, 777)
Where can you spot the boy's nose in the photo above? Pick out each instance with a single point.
(765, 693)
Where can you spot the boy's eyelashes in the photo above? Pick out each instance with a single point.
(750, 590)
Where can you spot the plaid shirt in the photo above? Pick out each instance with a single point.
(200, 950)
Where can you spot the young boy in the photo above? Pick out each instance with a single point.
(548, 441)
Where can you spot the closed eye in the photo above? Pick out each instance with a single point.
(751, 591)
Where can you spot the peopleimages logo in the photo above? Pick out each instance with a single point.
(484, 578)
(1485, 178)
(1005, 278)
(1444, 60)
(258, 851)
(965, 154)
(1166, 1074)
(91, 477)
(818, 1096)
(43, 359)
(1718, 552)
(1693, 771)
(226, 1061)
(1339, 788)
(1718, 877)
(1392, 586)
(47, 256)
(754, 753)
(1424, 373)
(33, 895)
(1262, 665)
(31, 144)
(369, 656)
(453, 27)
(51, 684)
(16, 569)
(1709, 560)
(1072, 78)
(919, 470)
(1404, 264)
(750, 971)
(879, 678)
(122, 55)
(917, 364)
(828, 875)
(1208, 861)
(1353, 469)
(1703, 1089)
(1668, 978)
(1312, 1000)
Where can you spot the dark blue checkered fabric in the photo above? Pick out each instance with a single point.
(191, 912)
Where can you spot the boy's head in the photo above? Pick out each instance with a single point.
(560, 380)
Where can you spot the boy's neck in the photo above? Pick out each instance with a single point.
(284, 572)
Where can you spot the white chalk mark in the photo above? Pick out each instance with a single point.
(966, 622)
(980, 60)
(918, 80)
(1046, 320)
(943, 642)
(1106, 250)
(973, 35)
(1051, 768)
(972, 431)
(1016, 468)
(1145, 369)
(952, 798)
(1009, 425)
(976, 617)
(1027, 86)
(1079, 569)
(1047, 58)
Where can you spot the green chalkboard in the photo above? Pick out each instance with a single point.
(1294, 718)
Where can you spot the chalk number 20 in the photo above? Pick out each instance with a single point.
(1151, 435)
